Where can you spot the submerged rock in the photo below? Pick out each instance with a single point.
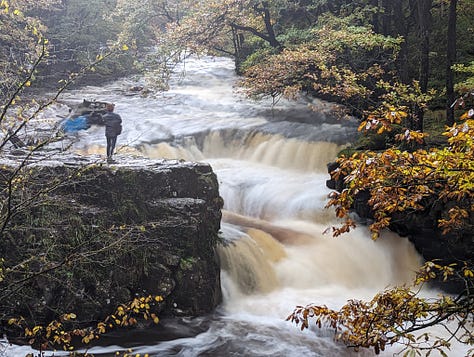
(85, 237)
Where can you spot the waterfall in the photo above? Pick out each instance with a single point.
(271, 165)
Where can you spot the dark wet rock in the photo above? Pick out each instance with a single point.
(421, 228)
(99, 235)
(333, 184)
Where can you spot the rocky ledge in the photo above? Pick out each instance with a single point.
(83, 237)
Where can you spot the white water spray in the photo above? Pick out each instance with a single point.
(272, 173)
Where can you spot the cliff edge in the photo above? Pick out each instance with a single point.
(84, 238)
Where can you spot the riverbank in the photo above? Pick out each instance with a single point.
(421, 227)
(90, 237)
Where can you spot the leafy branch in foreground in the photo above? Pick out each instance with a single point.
(399, 180)
(24, 189)
(17, 114)
(399, 316)
(64, 333)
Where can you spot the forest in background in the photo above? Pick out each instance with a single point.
(405, 68)
(419, 40)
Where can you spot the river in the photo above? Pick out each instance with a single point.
(271, 165)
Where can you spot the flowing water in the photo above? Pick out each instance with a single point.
(271, 165)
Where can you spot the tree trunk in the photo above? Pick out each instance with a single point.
(385, 23)
(450, 59)
(424, 27)
(375, 18)
(401, 28)
(269, 36)
(268, 24)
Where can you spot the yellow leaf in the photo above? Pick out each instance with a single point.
(464, 116)
(124, 48)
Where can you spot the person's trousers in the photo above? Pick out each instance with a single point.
(111, 141)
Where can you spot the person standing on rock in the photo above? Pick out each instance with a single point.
(113, 128)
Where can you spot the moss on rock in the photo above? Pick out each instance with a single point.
(104, 235)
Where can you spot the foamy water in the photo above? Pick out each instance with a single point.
(273, 185)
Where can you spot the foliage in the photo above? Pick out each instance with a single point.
(337, 63)
(404, 181)
(84, 32)
(23, 189)
(231, 27)
(143, 23)
(205, 25)
(19, 48)
(294, 36)
(397, 315)
(467, 84)
(64, 332)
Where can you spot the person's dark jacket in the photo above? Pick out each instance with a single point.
(113, 124)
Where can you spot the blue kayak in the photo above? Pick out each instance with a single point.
(73, 125)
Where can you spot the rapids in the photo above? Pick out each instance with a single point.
(271, 165)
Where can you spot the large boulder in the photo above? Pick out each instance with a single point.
(85, 238)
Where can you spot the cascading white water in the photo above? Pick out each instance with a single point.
(272, 172)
